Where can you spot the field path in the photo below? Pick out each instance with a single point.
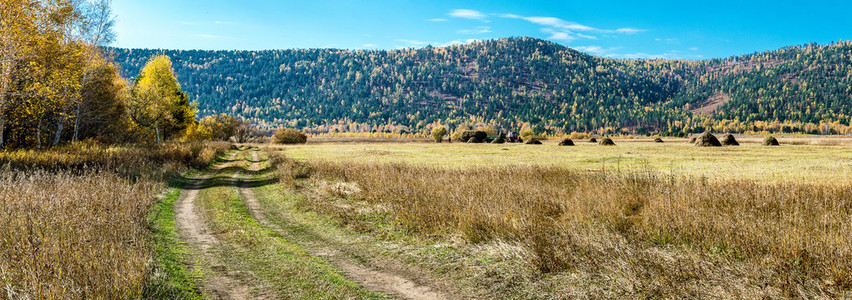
(377, 279)
(193, 229)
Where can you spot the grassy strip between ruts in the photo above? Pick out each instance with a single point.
(258, 255)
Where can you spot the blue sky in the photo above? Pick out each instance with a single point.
(622, 29)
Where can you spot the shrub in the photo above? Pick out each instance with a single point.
(658, 140)
(593, 140)
(289, 136)
(438, 133)
(566, 142)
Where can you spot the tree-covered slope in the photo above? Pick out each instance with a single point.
(508, 83)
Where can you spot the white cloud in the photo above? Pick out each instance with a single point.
(570, 29)
(629, 30)
(589, 49)
(209, 36)
(477, 30)
(368, 46)
(551, 22)
(413, 42)
(437, 20)
(419, 44)
(451, 43)
(693, 48)
(557, 35)
(466, 14)
(225, 23)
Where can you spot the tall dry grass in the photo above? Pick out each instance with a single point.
(793, 238)
(74, 220)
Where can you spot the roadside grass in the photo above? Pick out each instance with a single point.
(791, 163)
(171, 279)
(260, 255)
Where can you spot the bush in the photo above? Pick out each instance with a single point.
(289, 136)
(566, 142)
(607, 142)
(658, 140)
(438, 133)
(532, 141)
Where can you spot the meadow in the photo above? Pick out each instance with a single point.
(803, 160)
(640, 219)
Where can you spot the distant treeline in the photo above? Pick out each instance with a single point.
(514, 83)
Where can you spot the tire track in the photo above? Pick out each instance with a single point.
(193, 229)
(376, 280)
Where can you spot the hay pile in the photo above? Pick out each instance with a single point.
(692, 141)
(607, 142)
(532, 141)
(466, 135)
(658, 140)
(707, 139)
(729, 140)
(474, 140)
(593, 140)
(770, 141)
(566, 142)
(499, 140)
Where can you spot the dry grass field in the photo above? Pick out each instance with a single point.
(802, 160)
(74, 220)
(639, 219)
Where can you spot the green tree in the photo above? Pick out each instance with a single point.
(438, 133)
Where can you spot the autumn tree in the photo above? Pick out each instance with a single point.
(49, 50)
(157, 101)
(438, 133)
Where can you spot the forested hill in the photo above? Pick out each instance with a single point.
(511, 83)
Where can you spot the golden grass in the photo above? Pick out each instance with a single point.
(813, 162)
(73, 220)
(671, 234)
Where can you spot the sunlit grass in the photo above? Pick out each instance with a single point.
(792, 163)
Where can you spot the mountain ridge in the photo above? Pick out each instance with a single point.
(512, 83)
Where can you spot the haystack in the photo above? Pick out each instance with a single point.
(474, 140)
(692, 141)
(729, 140)
(566, 142)
(468, 134)
(500, 139)
(532, 141)
(607, 142)
(770, 141)
(593, 140)
(658, 140)
(707, 139)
